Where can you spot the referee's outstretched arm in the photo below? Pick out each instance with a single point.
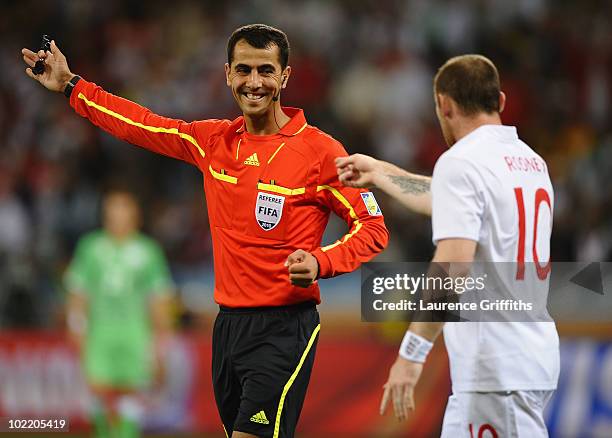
(120, 117)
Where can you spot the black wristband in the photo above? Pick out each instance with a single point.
(70, 85)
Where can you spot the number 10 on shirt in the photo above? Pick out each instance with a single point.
(541, 196)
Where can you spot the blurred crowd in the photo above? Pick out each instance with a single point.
(362, 70)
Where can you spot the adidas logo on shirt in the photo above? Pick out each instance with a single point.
(252, 160)
(260, 417)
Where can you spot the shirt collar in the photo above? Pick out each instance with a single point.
(296, 124)
(503, 132)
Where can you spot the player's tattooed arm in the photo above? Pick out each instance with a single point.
(411, 184)
(412, 190)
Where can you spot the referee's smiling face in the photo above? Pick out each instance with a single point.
(255, 77)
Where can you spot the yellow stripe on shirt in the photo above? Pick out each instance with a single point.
(351, 211)
(238, 147)
(222, 176)
(156, 129)
(280, 189)
(301, 129)
(276, 152)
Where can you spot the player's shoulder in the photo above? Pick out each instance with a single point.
(91, 243)
(452, 158)
(467, 148)
(146, 250)
(458, 164)
(482, 145)
(528, 150)
(147, 242)
(214, 127)
(322, 143)
(92, 238)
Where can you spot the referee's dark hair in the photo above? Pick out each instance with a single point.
(472, 81)
(260, 36)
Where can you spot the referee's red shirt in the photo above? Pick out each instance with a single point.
(267, 195)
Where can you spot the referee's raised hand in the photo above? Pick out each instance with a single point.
(303, 268)
(56, 74)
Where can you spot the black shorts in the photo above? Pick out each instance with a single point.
(261, 365)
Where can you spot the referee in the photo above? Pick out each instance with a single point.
(270, 183)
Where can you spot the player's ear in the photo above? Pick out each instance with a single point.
(502, 101)
(285, 76)
(445, 104)
(227, 74)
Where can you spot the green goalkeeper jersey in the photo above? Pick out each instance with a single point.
(118, 278)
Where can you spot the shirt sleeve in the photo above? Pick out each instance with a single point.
(159, 280)
(457, 200)
(367, 234)
(77, 277)
(135, 124)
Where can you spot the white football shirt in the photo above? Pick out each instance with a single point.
(491, 187)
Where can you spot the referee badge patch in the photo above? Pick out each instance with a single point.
(371, 204)
(268, 210)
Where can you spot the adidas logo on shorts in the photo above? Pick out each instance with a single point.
(260, 417)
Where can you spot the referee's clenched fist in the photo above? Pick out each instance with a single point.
(303, 268)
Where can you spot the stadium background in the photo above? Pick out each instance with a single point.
(362, 72)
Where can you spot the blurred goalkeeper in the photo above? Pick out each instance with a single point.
(271, 185)
(119, 295)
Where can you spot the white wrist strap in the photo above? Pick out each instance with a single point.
(414, 347)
